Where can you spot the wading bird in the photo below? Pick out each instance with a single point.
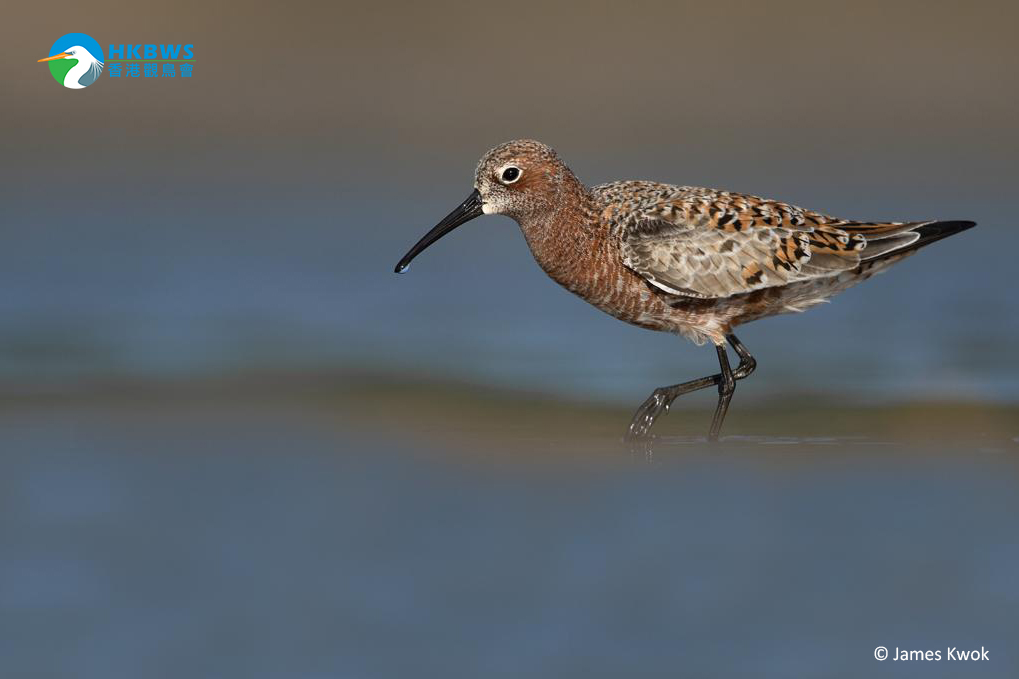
(82, 74)
(692, 261)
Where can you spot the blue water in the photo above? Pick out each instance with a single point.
(163, 281)
(179, 541)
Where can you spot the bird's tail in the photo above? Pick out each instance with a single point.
(908, 238)
(933, 231)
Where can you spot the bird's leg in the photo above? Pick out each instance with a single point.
(727, 383)
(662, 398)
(747, 363)
(659, 401)
(726, 387)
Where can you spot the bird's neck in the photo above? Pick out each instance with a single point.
(567, 233)
(75, 74)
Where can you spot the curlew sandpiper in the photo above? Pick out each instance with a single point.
(693, 261)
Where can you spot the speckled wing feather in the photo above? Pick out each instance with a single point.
(710, 244)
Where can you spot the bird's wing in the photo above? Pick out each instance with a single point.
(716, 244)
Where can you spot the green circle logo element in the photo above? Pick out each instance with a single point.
(75, 60)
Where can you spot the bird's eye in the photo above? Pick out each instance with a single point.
(510, 174)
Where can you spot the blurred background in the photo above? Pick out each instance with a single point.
(236, 444)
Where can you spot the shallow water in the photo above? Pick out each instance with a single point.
(241, 541)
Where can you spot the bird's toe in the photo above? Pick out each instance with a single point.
(647, 413)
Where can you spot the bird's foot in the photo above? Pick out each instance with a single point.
(649, 411)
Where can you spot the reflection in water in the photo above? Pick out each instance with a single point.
(821, 445)
(749, 441)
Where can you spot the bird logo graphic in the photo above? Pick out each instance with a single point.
(75, 60)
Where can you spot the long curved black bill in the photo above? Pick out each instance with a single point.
(468, 210)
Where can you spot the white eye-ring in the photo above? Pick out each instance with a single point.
(509, 174)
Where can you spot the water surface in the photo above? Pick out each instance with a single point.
(183, 536)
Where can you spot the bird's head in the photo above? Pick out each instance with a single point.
(519, 179)
(77, 52)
